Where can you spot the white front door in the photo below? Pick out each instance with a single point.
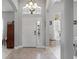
(28, 28)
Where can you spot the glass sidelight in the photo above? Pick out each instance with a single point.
(38, 33)
(38, 28)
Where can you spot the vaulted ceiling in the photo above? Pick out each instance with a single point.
(9, 5)
(6, 6)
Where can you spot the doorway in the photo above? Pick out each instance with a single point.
(30, 31)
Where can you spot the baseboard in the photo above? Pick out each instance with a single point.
(40, 47)
(36, 47)
(19, 47)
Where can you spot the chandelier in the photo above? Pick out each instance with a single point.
(32, 6)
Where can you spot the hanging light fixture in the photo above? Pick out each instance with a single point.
(31, 6)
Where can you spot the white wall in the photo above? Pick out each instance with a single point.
(75, 10)
(67, 31)
(15, 3)
(58, 8)
(9, 14)
(18, 26)
(7, 17)
(40, 3)
(6, 6)
(75, 26)
(18, 21)
(55, 8)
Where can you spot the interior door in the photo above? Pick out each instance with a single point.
(28, 31)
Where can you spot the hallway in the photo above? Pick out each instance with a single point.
(35, 29)
(51, 52)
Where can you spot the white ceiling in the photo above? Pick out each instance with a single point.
(48, 2)
(6, 6)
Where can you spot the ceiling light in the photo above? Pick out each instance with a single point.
(32, 6)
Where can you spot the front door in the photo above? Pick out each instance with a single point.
(29, 38)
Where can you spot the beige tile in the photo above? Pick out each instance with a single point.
(51, 52)
(31, 53)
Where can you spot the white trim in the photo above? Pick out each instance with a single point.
(40, 47)
(13, 5)
(18, 47)
(36, 47)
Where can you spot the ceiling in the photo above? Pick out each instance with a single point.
(48, 2)
(6, 6)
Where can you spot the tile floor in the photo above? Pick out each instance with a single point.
(6, 52)
(51, 52)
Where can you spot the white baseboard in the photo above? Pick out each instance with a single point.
(19, 47)
(36, 47)
(40, 47)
